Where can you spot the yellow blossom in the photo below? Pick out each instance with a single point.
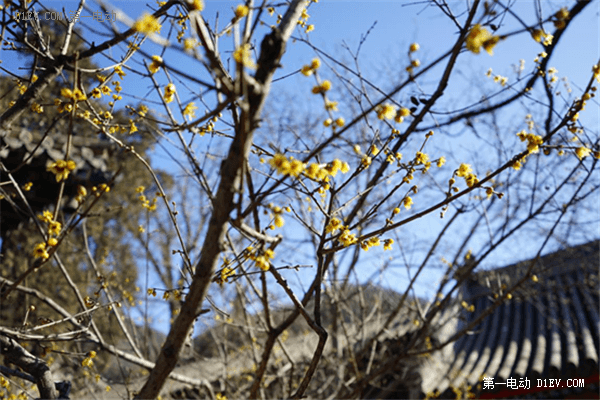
(241, 11)
(40, 251)
(333, 225)
(479, 37)
(280, 163)
(190, 110)
(46, 217)
(414, 47)
(387, 244)
(66, 92)
(197, 5)
(366, 161)
(279, 221)
(306, 70)
(404, 112)
(331, 105)
(340, 121)
(441, 161)
(374, 241)
(323, 87)
(386, 111)
(169, 93)
(147, 24)
(243, 56)
(347, 238)
(189, 44)
(61, 169)
(296, 167)
(582, 152)
(408, 202)
(517, 165)
(421, 158)
(463, 170)
(132, 127)
(54, 228)
(155, 64)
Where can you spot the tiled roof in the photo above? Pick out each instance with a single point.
(547, 330)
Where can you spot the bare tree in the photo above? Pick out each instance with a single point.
(278, 209)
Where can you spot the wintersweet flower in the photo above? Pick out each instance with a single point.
(582, 152)
(196, 5)
(387, 244)
(421, 158)
(169, 93)
(241, 11)
(479, 37)
(155, 65)
(40, 251)
(463, 170)
(61, 169)
(386, 111)
(243, 56)
(190, 110)
(147, 24)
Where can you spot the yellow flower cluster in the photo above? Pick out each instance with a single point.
(533, 141)
(582, 152)
(277, 216)
(314, 171)
(338, 122)
(322, 87)
(147, 24)
(150, 206)
(303, 19)
(190, 110)
(421, 158)
(479, 37)
(465, 171)
(196, 5)
(387, 244)
(346, 238)
(541, 36)
(155, 64)
(169, 93)
(61, 169)
(119, 71)
(88, 361)
(40, 251)
(308, 70)
(334, 225)
(243, 56)
(401, 114)
(241, 11)
(385, 111)
(226, 273)
(560, 18)
(286, 166)
(261, 260)
(466, 306)
(371, 242)
(75, 95)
